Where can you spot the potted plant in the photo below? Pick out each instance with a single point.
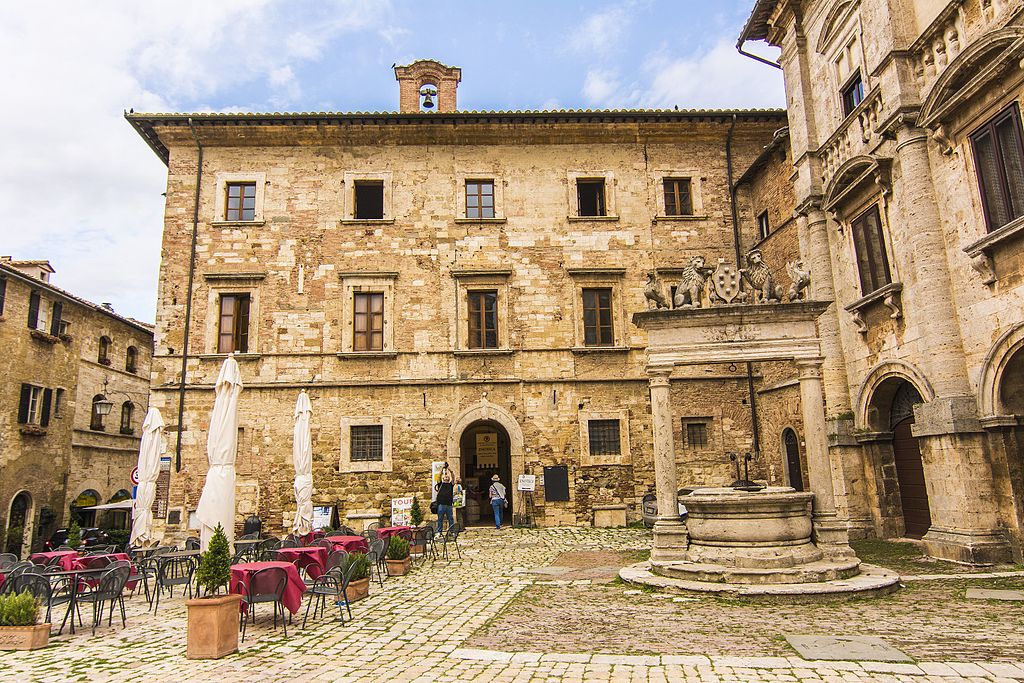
(213, 618)
(416, 514)
(74, 540)
(398, 559)
(359, 577)
(19, 623)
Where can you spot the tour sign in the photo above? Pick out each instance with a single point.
(135, 476)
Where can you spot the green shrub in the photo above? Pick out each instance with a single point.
(417, 512)
(359, 564)
(119, 537)
(398, 548)
(19, 610)
(329, 530)
(215, 566)
(74, 536)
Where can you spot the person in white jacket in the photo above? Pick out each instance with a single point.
(499, 500)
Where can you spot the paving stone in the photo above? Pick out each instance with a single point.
(990, 594)
(846, 648)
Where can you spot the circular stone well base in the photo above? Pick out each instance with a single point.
(809, 572)
(871, 580)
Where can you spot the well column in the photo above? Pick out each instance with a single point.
(670, 538)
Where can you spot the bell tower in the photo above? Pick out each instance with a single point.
(426, 85)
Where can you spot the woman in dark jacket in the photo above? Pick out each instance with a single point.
(445, 491)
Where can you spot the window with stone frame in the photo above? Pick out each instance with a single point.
(103, 355)
(368, 321)
(479, 198)
(590, 195)
(999, 159)
(483, 319)
(131, 359)
(367, 443)
(764, 228)
(869, 245)
(678, 199)
(96, 417)
(34, 405)
(126, 417)
(604, 437)
(240, 201)
(696, 434)
(369, 200)
(233, 324)
(852, 94)
(58, 401)
(597, 317)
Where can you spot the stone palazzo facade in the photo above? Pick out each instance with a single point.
(905, 134)
(447, 286)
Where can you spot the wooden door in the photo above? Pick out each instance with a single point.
(796, 474)
(910, 475)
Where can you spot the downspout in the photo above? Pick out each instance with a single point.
(751, 397)
(188, 300)
(739, 48)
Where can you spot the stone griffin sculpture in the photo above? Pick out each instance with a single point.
(801, 277)
(654, 294)
(759, 277)
(691, 285)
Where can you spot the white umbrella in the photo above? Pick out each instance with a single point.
(302, 457)
(149, 469)
(217, 504)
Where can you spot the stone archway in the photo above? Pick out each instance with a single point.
(995, 405)
(20, 516)
(876, 392)
(482, 412)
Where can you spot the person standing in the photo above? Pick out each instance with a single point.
(498, 499)
(459, 503)
(445, 491)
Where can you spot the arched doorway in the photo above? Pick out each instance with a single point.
(85, 518)
(118, 519)
(794, 470)
(909, 467)
(18, 535)
(484, 450)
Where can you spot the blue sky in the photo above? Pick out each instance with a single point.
(78, 187)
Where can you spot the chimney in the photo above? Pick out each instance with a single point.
(426, 81)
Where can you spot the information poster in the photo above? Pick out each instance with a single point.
(322, 515)
(401, 511)
(487, 449)
(527, 482)
(436, 468)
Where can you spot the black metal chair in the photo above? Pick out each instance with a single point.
(337, 558)
(424, 537)
(249, 537)
(42, 589)
(192, 543)
(289, 542)
(171, 572)
(327, 586)
(345, 531)
(8, 560)
(451, 537)
(265, 585)
(108, 590)
(376, 557)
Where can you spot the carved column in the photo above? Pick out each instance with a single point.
(670, 539)
(830, 533)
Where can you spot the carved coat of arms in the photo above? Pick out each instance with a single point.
(725, 282)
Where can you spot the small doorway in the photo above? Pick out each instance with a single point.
(917, 517)
(485, 450)
(18, 531)
(793, 468)
(86, 499)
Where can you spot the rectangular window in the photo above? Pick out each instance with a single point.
(3, 293)
(677, 197)
(590, 194)
(33, 310)
(999, 158)
(58, 401)
(241, 202)
(369, 200)
(367, 443)
(368, 321)
(233, 333)
(479, 199)
(696, 434)
(483, 320)
(597, 317)
(869, 243)
(763, 227)
(852, 94)
(604, 437)
(30, 407)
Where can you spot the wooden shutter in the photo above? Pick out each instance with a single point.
(33, 310)
(242, 330)
(3, 293)
(44, 417)
(26, 397)
(58, 309)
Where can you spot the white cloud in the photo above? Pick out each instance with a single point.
(601, 86)
(600, 33)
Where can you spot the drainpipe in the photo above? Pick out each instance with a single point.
(739, 48)
(188, 300)
(751, 396)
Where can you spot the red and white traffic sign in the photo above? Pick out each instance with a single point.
(135, 476)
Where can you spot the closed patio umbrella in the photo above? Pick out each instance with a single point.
(302, 457)
(217, 504)
(149, 469)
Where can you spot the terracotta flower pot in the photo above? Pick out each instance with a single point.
(213, 626)
(24, 637)
(417, 549)
(357, 590)
(398, 567)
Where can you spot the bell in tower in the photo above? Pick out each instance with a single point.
(427, 85)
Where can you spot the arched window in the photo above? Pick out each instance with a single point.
(85, 518)
(104, 355)
(131, 359)
(96, 422)
(126, 417)
(16, 522)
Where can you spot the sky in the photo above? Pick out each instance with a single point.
(80, 188)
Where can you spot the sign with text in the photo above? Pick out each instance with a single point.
(401, 511)
(436, 468)
(527, 482)
(487, 449)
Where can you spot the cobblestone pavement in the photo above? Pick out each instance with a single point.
(416, 629)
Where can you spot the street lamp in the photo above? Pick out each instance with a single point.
(105, 405)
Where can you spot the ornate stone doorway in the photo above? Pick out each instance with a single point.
(484, 450)
(791, 445)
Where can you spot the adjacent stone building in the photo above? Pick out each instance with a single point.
(905, 136)
(64, 360)
(447, 286)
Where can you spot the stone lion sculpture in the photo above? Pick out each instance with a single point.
(654, 294)
(691, 285)
(759, 277)
(801, 277)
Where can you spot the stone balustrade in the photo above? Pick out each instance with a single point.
(853, 136)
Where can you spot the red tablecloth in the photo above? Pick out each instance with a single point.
(241, 573)
(313, 559)
(81, 563)
(65, 557)
(350, 544)
(386, 532)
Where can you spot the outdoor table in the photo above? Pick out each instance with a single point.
(311, 558)
(73, 574)
(350, 544)
(387, 532)
(178, 554)
(79, 563)
(247, 542)
(65, 557)
(241, 574)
